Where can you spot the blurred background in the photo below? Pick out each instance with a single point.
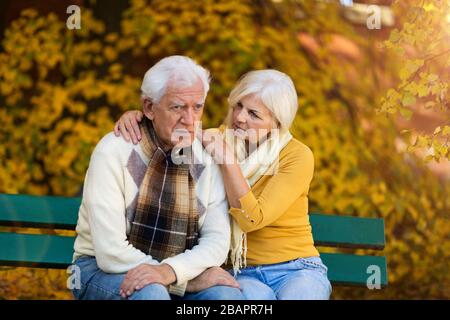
(374, 107)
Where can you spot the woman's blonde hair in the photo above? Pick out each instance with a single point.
(276, 91)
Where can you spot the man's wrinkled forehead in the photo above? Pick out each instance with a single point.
(182, 94)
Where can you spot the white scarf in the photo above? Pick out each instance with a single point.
(262, 161)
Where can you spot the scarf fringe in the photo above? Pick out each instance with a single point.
(252, 171)
(238, 251)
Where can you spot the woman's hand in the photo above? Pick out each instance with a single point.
(215, 276)
(128, 126)
(216, 146)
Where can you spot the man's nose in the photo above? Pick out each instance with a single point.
(188, 117)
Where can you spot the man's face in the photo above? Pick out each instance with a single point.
(176, 113)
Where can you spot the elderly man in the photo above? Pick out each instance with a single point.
(151, 226)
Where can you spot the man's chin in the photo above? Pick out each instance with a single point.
(182, 138)
(183, 144)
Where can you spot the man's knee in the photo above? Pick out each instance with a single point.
(154, 291)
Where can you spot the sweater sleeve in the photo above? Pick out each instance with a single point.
(214, 237)
(103, 198)
(294, 175)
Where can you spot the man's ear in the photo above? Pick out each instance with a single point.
(148, 107)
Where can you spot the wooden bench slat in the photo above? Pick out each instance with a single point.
(39, 211)
(51, 251)
(350, 269)
(62, 213)
(35, 250)
(347, 231)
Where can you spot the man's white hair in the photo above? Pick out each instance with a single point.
(276, 91)
(179, 71)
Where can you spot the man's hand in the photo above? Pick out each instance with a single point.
(145, 274)
(211, 277)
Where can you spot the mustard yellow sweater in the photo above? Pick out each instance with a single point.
(274, 213)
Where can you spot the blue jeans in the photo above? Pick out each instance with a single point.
(99, 285)
(300, 279)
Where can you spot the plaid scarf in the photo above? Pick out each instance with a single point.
(166, 220)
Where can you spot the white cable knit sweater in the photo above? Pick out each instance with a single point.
(111, 186)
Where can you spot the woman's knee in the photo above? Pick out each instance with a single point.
(305, 287)
(216, 293)
(154, 291)
(253, 289)
(222, 293)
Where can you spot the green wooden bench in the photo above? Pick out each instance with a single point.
(55, 251)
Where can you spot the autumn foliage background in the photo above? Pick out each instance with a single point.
(61, 90)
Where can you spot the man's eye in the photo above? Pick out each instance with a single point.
(178, 107)
(199, 107)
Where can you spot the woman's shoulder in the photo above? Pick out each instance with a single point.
(297, 155)
(296, 148)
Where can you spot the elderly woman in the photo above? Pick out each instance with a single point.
(267, 174)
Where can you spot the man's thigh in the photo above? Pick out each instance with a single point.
(99, 285)
(153, 291)
(95, 283)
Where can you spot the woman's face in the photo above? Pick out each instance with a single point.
(251, 119)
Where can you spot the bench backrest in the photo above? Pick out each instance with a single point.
(54, 251)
